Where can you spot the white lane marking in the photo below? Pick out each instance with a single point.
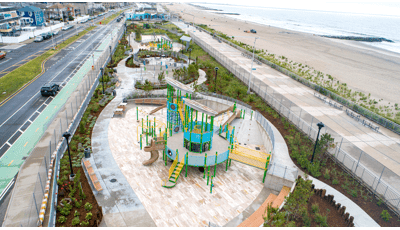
(6, 61)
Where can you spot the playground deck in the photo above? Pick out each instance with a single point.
(189, 203)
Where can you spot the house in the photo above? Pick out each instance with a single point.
(36, 14)
(9, 20)
(146, 15)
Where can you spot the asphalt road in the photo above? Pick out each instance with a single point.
(17, 57)
(19, 112)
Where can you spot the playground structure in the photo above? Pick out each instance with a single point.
(190, 137)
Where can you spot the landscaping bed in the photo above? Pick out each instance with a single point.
(305, 208)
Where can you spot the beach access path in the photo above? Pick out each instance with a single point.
(382, 146)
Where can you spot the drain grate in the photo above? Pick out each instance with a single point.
(24, 158)
(257, 148)
(113, 180)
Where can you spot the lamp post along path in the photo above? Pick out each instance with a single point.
(251, 71)
(320, 126)
(66, 135)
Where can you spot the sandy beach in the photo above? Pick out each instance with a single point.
(364, 68)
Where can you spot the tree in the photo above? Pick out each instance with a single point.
(147, 87)
(193, 72)
(161, 78)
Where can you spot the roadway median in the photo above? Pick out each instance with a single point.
(15, 81)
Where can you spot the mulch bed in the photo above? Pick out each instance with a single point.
(96, 210)
(334, 218)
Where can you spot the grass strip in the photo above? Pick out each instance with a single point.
(17, 78)
(109, 19)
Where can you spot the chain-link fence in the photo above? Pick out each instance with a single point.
(357, 108)
(381, 180)
(81, 87)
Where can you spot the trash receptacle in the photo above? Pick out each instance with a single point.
(114, 93)
(87, 152)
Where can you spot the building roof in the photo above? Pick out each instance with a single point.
(30, 9)
(185, 38)
(56, 6)
(199, 107)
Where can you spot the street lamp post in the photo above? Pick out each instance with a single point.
(320, 126)
(251, 71)
(102, 80)
(67, 135)
(190, 51)
(215, 84)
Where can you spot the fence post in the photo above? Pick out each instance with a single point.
(340, 145)
(60, 127)
(34, 200)
(379, 179)
(299, 117)
(355, 170)
(40, 180)
(312, 120)
(284, 173)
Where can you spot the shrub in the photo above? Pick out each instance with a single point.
(380, 201)
(385, 215)
(321, 220)
(78, 204)
(88, 216)
(88, 206)
(76, 213)
(65, 211)
(335, 181)
(75, 221)
(326, 174)
(315, 207)
(84, 223)
(82, 127)
(62, 219)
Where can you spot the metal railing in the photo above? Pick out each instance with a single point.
(74, 109)
(381, 180)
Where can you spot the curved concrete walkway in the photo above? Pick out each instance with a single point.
(121, 206)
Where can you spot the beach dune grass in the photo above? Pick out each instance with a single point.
(13, 81)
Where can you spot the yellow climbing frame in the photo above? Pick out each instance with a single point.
(249, 156)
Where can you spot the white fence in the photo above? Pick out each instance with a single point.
(25, 35)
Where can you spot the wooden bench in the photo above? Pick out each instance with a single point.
(257, 218)
(92, 175)
(119, 111)
(122, 106)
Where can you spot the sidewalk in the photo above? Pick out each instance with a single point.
(121, 206)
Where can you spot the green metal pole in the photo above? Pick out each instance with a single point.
(251, 118)
(142, 125)
(206, 128)
(208, 174)
(147, 142)
(244, 113)
(226, 132)
(211, 184)
(137, 114)
(212, 123)
(220, 129)
(186, 163)
(140, 141)
(215, 166)
(202, 120)
(196, 117)
(205, 166)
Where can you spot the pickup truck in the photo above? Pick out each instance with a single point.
(251, 31)
(2, 54)
(49, 89)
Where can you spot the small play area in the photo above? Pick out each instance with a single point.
(190, 161)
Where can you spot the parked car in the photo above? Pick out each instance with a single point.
(55, 32)
(45, 36)
(50, 34)
(2, 54)
(38, 39)
(49, 89)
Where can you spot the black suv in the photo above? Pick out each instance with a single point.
(46, 35)
(49, 89)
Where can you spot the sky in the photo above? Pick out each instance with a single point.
(355, 6)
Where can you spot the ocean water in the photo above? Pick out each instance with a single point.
(321, 22)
